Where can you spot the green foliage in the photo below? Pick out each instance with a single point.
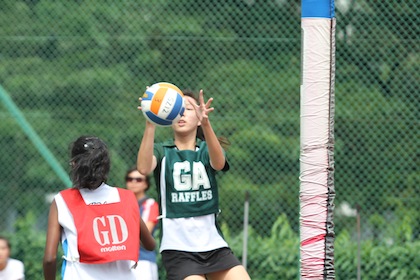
(271, 257)
(30, 246)
(277, 256)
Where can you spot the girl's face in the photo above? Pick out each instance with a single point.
(136, 182)
(4, 251)
(188, 122)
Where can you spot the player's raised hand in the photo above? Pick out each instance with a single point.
(203, 109)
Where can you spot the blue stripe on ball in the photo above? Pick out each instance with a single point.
(182, 111)
(176, 108)
(148, 95)
(158, 120)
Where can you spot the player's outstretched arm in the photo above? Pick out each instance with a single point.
(217, 157)
(146, 162)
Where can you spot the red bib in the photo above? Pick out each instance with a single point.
(105, 232)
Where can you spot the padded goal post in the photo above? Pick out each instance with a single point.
(317, 140)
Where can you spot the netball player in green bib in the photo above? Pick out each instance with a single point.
(185, 167)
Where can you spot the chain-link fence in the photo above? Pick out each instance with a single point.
(78, 67)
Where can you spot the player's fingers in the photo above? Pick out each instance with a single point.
(139, 107)
(201, 97)
(209, 102)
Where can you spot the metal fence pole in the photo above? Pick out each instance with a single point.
(246, 218)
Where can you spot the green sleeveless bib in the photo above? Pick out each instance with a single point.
(186, 182)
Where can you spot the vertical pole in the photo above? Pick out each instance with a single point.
(359, 274)
(317, 191)
(246, 218)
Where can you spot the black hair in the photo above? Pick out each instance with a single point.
(90, 162)
(134, 168)
(224, 142)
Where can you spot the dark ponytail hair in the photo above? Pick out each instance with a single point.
(224, 142)
(90, 163)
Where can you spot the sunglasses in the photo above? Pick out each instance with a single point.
(135, 179)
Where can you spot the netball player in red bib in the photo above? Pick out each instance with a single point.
(99, 226)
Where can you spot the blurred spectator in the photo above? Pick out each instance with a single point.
(149, 211)
(10, 269)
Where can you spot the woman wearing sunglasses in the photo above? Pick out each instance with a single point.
(149, 212)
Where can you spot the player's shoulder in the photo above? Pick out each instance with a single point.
(14, 263)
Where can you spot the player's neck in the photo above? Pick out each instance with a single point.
(185, 142)
(140, 195)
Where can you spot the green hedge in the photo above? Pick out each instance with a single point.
(268, 258)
